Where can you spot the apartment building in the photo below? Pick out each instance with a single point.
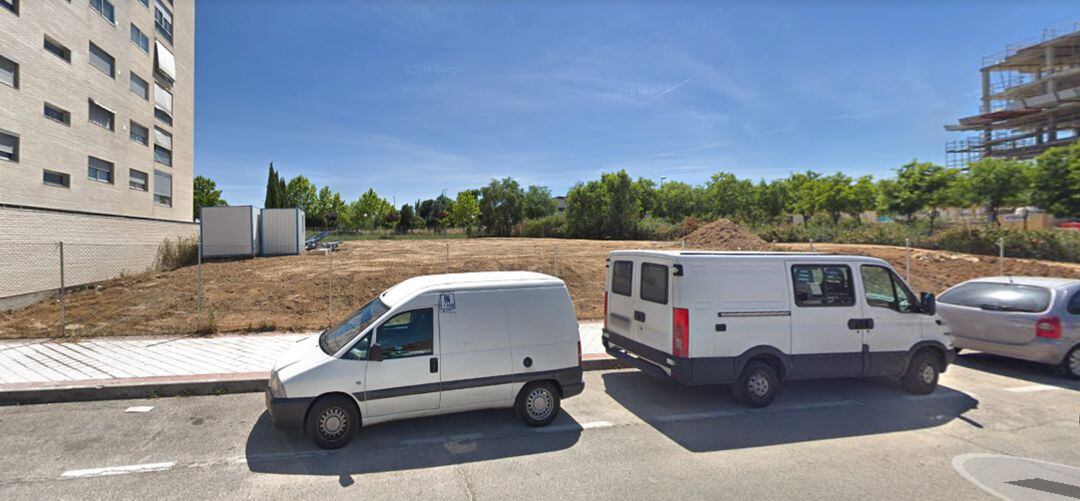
(96, 119)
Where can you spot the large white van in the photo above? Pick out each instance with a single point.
(757, 319)
(434, 345)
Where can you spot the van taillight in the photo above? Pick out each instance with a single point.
(680, 332)
(1048, 327)
(605, 310)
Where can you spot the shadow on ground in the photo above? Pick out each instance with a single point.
(1015, 368)
(407, 445)
(705, 418)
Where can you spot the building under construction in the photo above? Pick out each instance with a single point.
(1030, 100)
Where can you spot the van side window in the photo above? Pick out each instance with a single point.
(407, 334)
(654, 283)
(822, 285)
(622, 276)
(884, 289)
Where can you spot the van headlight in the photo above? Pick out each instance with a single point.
(277, 390)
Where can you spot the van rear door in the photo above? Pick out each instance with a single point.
(652, 306)
(620, 296)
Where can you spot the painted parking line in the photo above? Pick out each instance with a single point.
(439, 440)
(1033, 388)
(117, 470)
(697, 416)
(592, 425)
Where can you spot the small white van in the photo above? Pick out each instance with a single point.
(433, 345)
(756, 319)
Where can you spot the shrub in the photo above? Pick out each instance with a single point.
(553, 226)
(1055, 245)
(177, 254)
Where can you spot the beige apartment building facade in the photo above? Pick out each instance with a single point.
(96, 118)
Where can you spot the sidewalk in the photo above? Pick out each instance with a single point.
(37, 371)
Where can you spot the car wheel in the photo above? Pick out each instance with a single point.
(538, 403)
(757, 385)
(1070, 367)
(922, 374)
(332, 421)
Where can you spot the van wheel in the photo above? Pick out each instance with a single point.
(757, 385)
(922, 373)
(332, 421)
(538, 403)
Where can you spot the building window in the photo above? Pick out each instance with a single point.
(162, 104)
(12, 5)
(145, 3)
(140, 39)
(57, 113)
(57, 49)
(9, 147)
(138, 180)
(58, 179)
(105, 8)
(9, 72)
(102, 116)
(102, 60)
(163, 22)
(164, 62)
(100, 170)
(162, 188)
(139, 86)
(162, 147)
(139, 133)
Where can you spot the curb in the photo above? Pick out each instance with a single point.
(175, 386)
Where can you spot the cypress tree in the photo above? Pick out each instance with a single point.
(271, 189)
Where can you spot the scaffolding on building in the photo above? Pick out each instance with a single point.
(1030, 100)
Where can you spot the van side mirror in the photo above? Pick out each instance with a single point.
(928, 303)
(375, 353)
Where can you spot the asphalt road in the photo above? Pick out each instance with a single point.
(626, 437)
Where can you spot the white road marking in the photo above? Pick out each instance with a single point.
(695, 416)
(118, 470)
(439, 440)
(591, 425)
(1033, 388)
(140, 408)
(811, 405)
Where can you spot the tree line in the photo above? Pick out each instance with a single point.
(617, 206)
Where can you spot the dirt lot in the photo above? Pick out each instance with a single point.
(293, 293)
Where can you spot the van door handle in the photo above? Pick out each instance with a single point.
(434, 364)
(639, 316)
(860, 323)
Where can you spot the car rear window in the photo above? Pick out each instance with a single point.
(622, 276)
(998, 297)
(654, 283)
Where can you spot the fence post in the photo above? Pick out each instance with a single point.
(682, 244)
(1001, 256)
(448, 257)
(811, 245)
(331, 252)
(63, 307)
(907, 260)
(555, 259)
(198, 287)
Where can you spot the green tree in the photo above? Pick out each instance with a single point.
(831, 195)
(769, 201)
(648, 198)
(918, 186)
(676, 200)
(538, 202)
(206, 194)
(405, 219)
(586, 209)
(371, 210)
(272, 199)
(501, 206)
(465, 212)
(623, 210)
(997, 183)
(329, 206)
(728, 196)
(801, 189)
(1056, 181)
(861, 196)
(301, 193)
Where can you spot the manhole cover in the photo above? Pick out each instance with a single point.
(1016, 478)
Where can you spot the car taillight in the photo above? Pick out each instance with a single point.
(1048, 327)
(605, 310)
(680, 332)
(579, 353)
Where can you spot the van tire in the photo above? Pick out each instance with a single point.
(332, 421)
(757, 385)
(538, 403)
(921, 376)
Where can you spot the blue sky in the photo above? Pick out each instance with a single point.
(416, 98)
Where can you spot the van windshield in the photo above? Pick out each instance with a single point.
(332, 340)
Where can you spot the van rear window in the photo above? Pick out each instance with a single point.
(822, 285)
(654, 283)
(998, 297)
(622, 276)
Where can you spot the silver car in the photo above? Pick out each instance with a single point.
(1030, 318)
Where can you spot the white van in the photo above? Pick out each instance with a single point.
(433, 345)
(756, 319)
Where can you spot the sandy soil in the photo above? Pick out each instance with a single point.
(293, 293)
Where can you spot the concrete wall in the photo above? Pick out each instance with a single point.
(43, 77)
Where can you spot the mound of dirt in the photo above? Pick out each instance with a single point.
(725, 235)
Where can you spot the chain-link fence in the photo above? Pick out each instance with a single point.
(76, 290)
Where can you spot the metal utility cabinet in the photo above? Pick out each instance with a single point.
(229, 231)
(281, 232)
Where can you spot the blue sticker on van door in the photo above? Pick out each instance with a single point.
(446, 302)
